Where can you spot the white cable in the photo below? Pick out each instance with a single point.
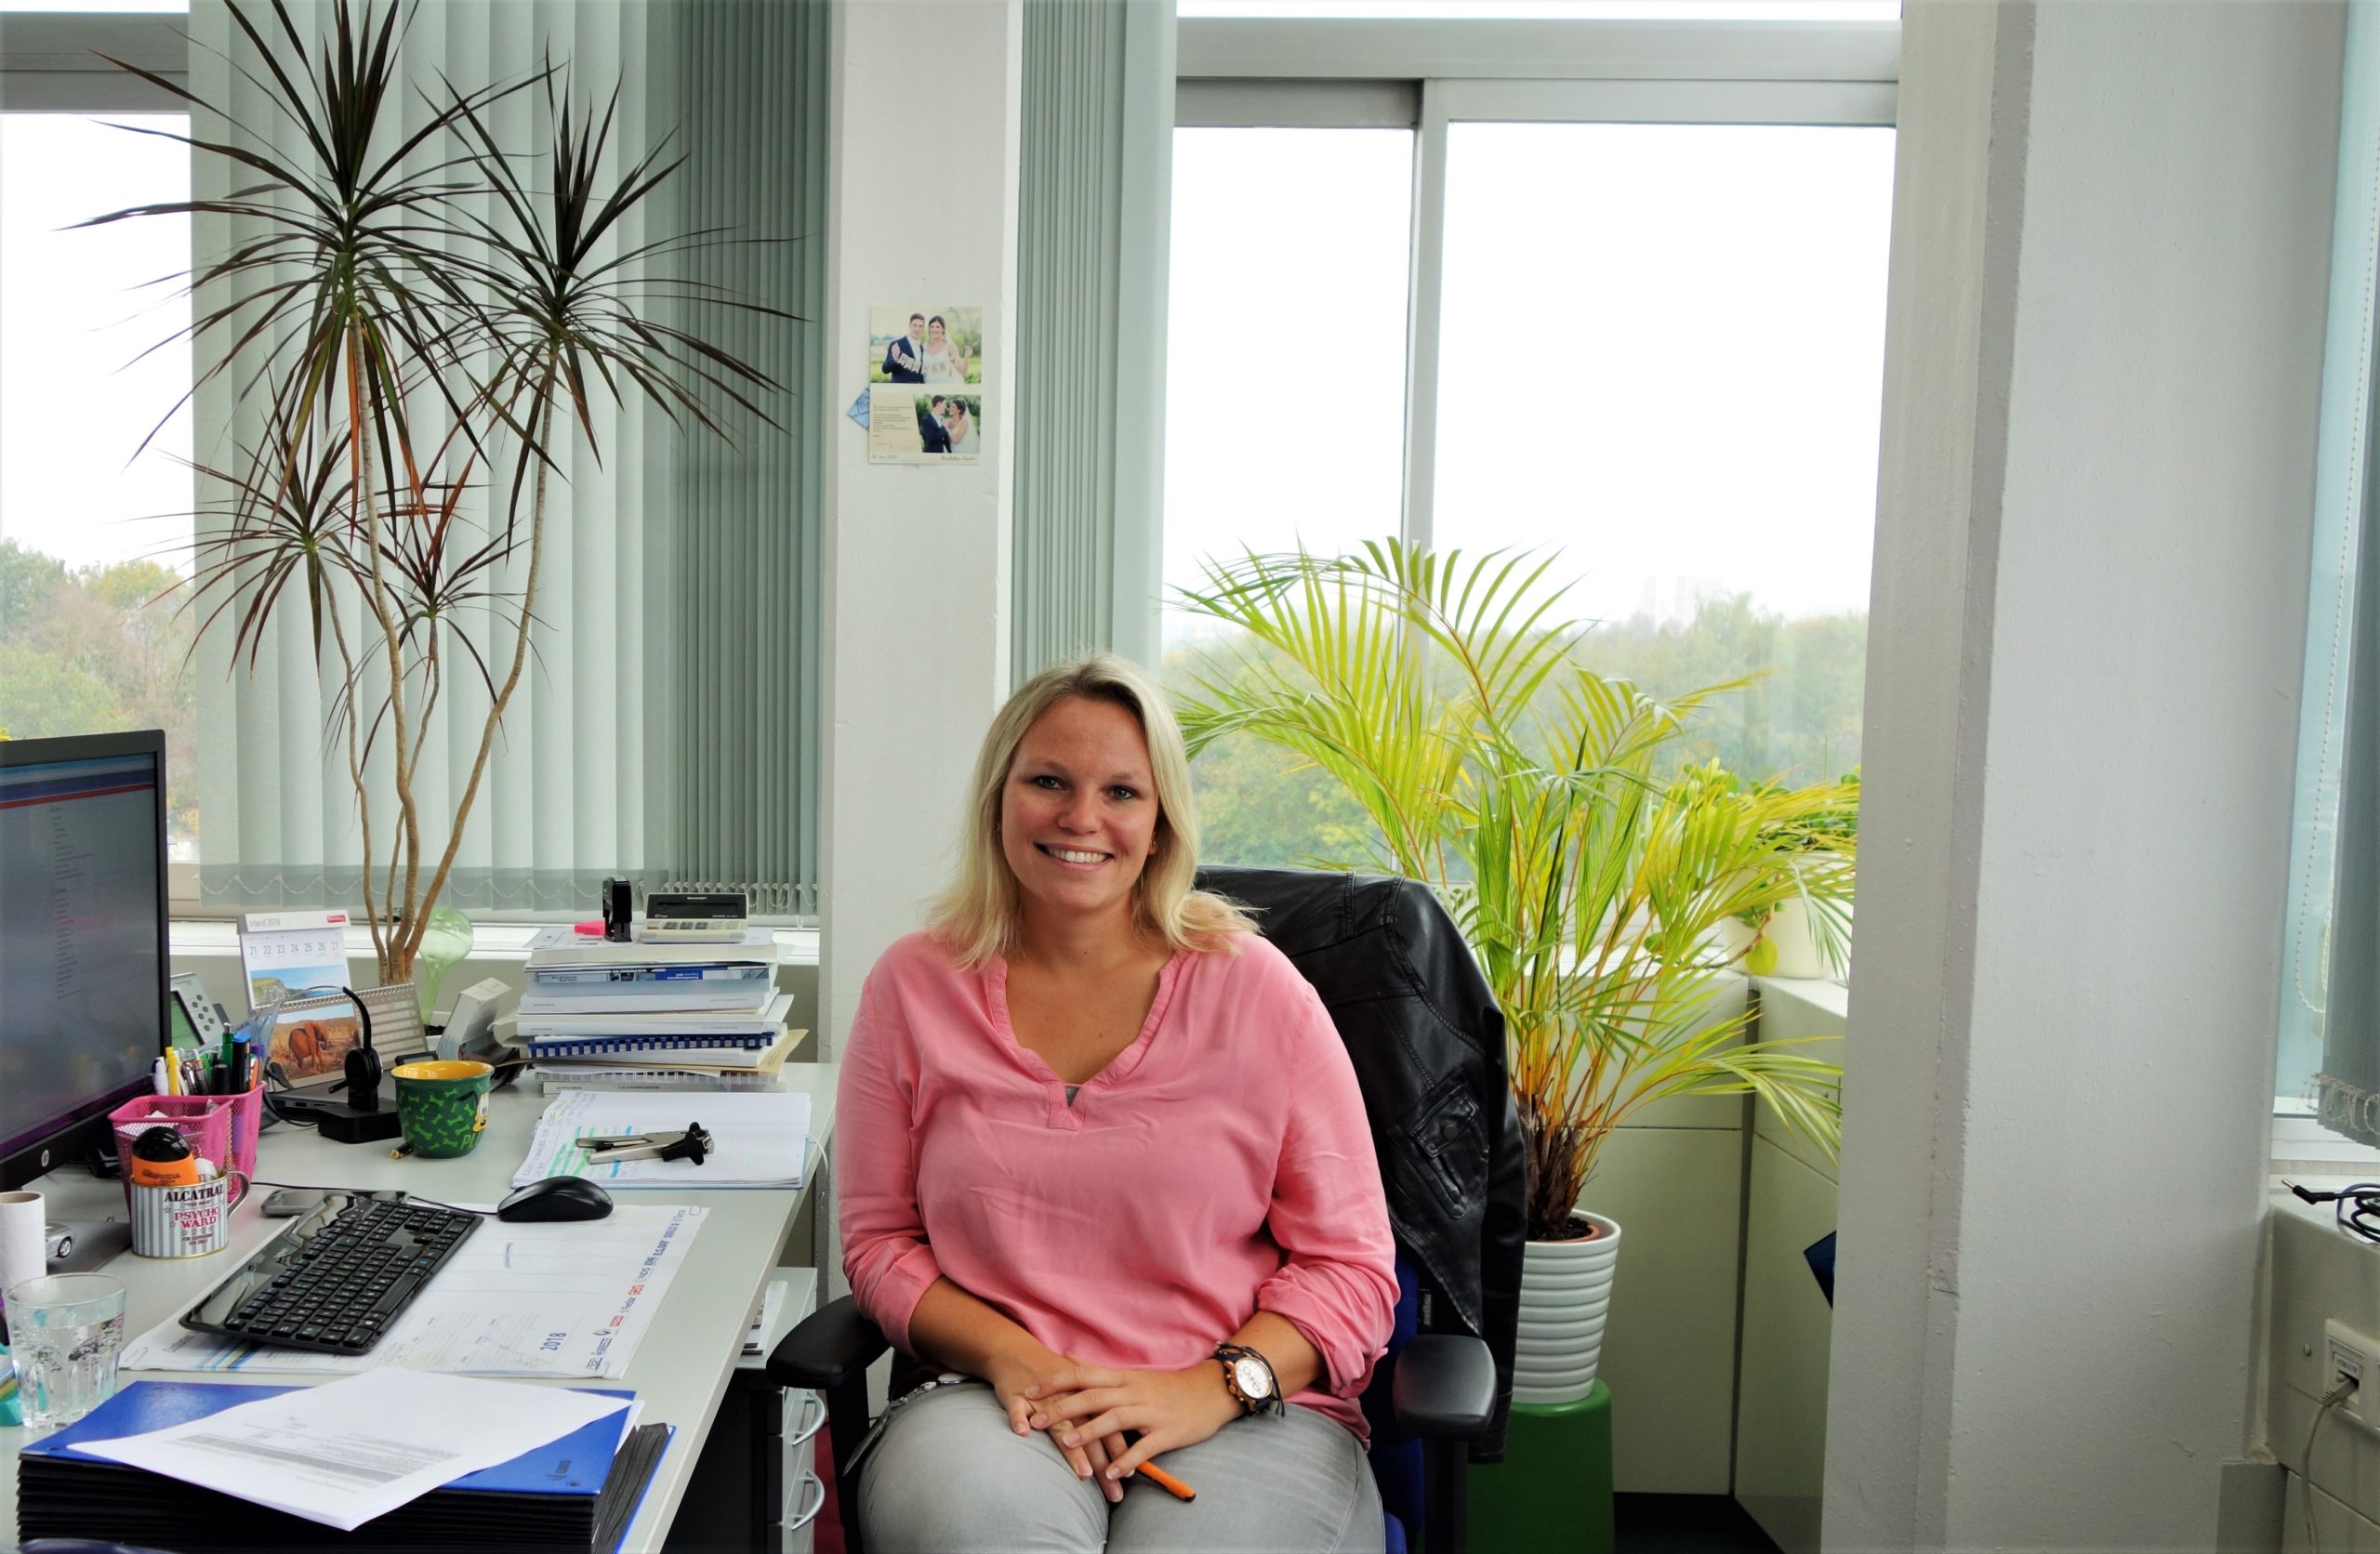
(2331, 1399)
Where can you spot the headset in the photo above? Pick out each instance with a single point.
(363, 1079)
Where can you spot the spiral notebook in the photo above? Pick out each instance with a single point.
(614, 1047)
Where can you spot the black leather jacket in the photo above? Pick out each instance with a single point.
(1428, 1046)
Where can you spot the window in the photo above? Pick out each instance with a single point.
(1643, 300)
(2327, 1066)
(1285, 345)
(95, 528)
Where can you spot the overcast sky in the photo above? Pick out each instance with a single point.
(74, 313)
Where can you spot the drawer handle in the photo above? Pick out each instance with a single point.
(813, 1493)
(809, 1426)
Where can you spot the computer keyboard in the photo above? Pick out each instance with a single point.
(340, 1275)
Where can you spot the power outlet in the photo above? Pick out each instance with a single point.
(2347, 1354)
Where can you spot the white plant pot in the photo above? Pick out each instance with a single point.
(1566, 1295)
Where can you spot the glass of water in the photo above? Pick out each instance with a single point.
(65, 1331)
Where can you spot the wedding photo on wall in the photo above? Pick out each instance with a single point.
(925, 345)
(924, 364)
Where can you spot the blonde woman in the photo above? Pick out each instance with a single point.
(1101, 1157)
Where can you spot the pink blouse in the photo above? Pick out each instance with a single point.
(1221, 1164)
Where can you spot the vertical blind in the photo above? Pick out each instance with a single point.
(1069, 164)
(1094, 124)
(2331, 987)
(665, 727)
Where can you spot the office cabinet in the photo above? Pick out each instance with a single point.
(755, 1487)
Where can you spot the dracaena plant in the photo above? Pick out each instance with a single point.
(1593, 880)
(405, 313)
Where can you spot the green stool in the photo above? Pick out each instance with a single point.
(1553, 1488)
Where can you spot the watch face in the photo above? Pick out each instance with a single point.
(1253, 1382)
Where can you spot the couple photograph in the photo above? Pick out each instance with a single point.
(926, 345)
(919, 425)
(947, 423)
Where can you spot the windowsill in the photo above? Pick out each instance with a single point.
(2304, 1150)
(217, 936)
(1828, 994)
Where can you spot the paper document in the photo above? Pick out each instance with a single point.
(761, 1138)
(555, 1299)
(350, 1450)
(756, 1338)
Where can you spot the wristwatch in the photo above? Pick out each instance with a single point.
(1250, 1377)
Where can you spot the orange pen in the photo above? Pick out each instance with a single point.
(1166, 1481)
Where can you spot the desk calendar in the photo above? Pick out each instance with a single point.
(284, 952)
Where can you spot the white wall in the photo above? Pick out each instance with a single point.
(917, 559)
(2104, 346)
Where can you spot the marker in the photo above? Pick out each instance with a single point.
(1166, 1481)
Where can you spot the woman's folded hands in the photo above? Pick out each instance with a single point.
(1019, 1381)
(1082, 1405)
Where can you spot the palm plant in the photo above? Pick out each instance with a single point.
(1444, 692)
(399, 349)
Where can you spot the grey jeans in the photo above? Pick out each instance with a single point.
(945, 1473)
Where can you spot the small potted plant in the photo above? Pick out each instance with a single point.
(1808, 934)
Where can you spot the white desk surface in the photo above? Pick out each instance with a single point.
(681, 1369)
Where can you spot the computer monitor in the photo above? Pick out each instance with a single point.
(82, 951)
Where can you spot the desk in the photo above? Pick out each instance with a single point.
(682, 1368)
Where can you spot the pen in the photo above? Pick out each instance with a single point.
(1166, 1481)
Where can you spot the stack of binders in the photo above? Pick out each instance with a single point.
(654, 1016)
(577, 1493)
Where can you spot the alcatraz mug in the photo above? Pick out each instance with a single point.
(188, 1219)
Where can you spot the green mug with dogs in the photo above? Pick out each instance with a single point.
(441, 1105)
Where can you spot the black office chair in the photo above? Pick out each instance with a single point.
(1428, 1046)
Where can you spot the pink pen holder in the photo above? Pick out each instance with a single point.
(205, 1122)
(247, 1121)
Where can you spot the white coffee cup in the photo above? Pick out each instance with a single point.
(186, 1221)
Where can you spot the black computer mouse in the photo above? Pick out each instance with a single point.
(556, 1198)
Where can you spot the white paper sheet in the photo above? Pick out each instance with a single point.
(350, 1450)
(761, 1138)
(555, 1299)
(765, 1318)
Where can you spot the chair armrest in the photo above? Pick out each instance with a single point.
(1445, 1386)
(831, 1346)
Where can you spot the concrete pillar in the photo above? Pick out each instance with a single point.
(917, 559)
(2105, 334)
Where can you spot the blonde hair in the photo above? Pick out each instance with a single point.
(981, 916)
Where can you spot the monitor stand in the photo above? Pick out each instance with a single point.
(95, 1242)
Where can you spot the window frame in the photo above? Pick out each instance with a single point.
(1427, 76)
(49, 64)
